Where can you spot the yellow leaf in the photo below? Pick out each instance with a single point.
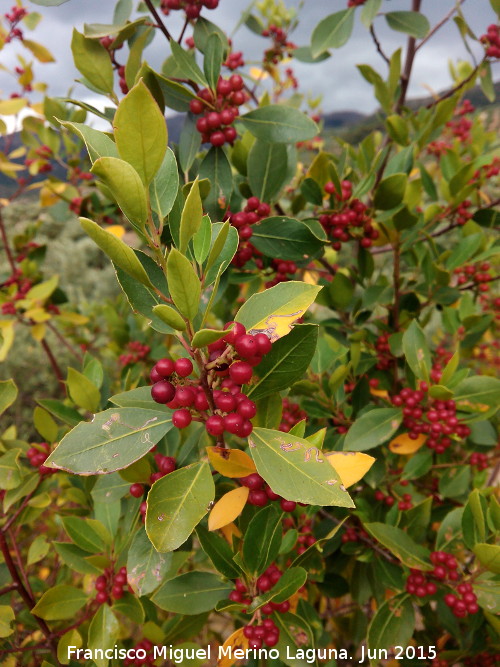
(7, 331)
(37, 107)
(117, 230)
(237, 641)
(38, 315)
(258, 74)
(72, 318)
(403, 444)
(382, 393)
(228, 508)
(350, 466)
(311, 277)
(40, 52)
(48, 197)
(230, 531)
(12, 106)
(38, 331)
(230, 462)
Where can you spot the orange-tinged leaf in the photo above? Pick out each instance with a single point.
(350, 466)
(382, 393)
(237, 641)
(230, 531)
(403, 444)
(230, 462)
(228, 508)
(117, 230)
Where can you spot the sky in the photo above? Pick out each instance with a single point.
(336, 79)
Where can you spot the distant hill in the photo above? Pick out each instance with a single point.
(351, 125)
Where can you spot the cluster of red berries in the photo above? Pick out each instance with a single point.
(281, 47)
(305, 538)
(439, 147)
(15, 15)
(356, 3)
(219, 112)
(143, 648)
(285, 270)
(418, 584)
(385, 358)
(39, 165)
(463, 604)
(352, 534)
(108, 43)
(23, 286)
(37, 455)
(463, 213)
(234, 60)
(475, 275)
(122, 82)
(75, 205)
(445, 566)
(380, 497)
(479, 460)
(253, 212)
(111, 585)
(292, 414)
(230, 365)
(483, 660)
(492, 41)
(434, 418)
(191, 7)
(340, 224)
(261, 493)
(136, 352)
(266, 633)
(442, 357)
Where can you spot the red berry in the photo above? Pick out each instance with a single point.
(288, 505)
(162, 392)
(237, 331)
(258, 498)
(183, 367)
(101, 597)
(181, 418)
(215, 425)
(247, 409)
(252, 481)
(165, 367)
(246, 346)
(240, 372)
(263, 343)
(101, 583)
(136, 490)
(184, 396)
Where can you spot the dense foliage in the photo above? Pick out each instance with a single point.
(198, 479)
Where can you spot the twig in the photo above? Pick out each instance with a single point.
(439, 25)
(158, 20)
(410, 57)
(65, 342)
(327, 266)
(458, 87)
(54, 364)
(8, 589)
(378, 45)
(396, 277)
(6, 245)
(186, 23)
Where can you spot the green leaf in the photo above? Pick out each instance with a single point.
(189, 143)
(341, 291)
(186, 62)
(489, 556)
(392, 625)
(269, 411)
(60, 603)
(201, 240)
(192, 593)
(49, 3)
(118, 251)
(192, 214)
(75, 558)
(103, 633)
(141, 132)
(372, 429)
(217, 169)
(8, 394)
(262, 540)
(332, 32)
(455, 482)
(401, 545)
(285, 238)
(204, 337)
(98, 144)
(63, 412)
(38, 549)
(267, 169)
(292, 579)
(487, 217)
(170, 316)
(125, 186)
(416, 351)
(224, 243)
(203, 30)
(279, 124)
(45, 425)
(6, 617)
(10, 470)
(370, 10)
(148, 568)
(183, 283)
(277, 308)
(219, 552)
(93, 61)
(176, 505)
(464, 251)
(474, 519)
(480, 389)
(130, 606)
(296, 470)
(115, 439)
(82, 391)
(412, 23)
(214, 56)
(390, 192)
(88, 534)
(164, 186)
(287, 362)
